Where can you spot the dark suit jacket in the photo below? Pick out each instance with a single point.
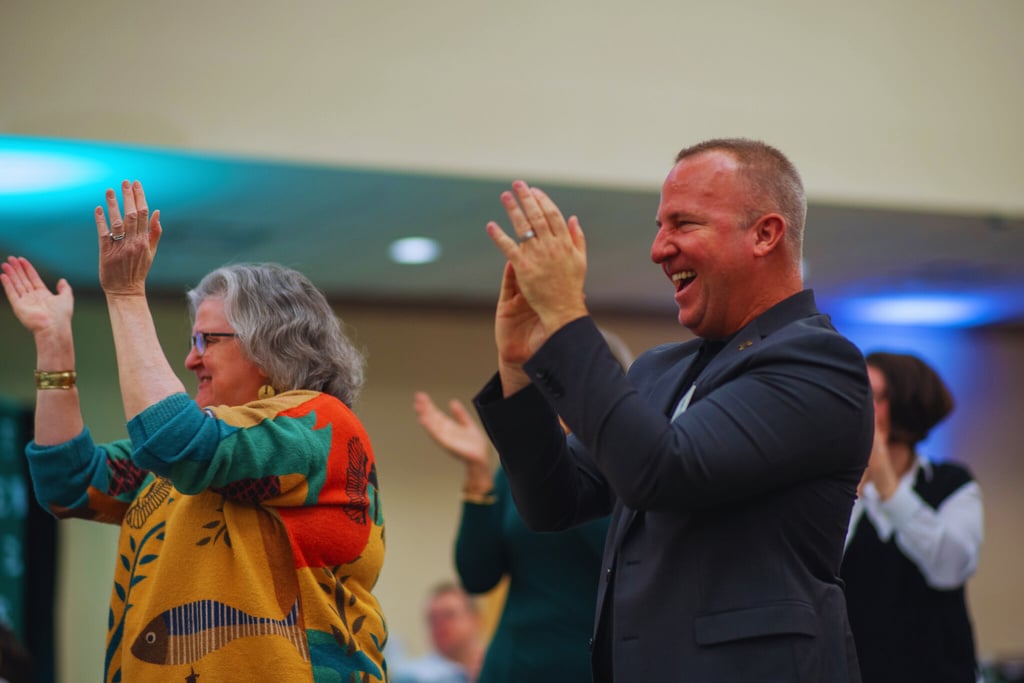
(728, 523)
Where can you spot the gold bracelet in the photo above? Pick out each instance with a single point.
(480, 498)
(63, 379)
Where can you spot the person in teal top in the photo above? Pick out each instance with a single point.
(548, 617)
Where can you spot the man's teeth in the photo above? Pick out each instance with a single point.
(683, 275)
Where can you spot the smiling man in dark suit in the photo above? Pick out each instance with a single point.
(729, 462)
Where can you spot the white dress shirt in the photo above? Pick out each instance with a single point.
(943, 543)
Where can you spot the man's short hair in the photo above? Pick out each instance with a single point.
(773, 181)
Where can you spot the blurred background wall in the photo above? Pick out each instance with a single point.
(913, 105)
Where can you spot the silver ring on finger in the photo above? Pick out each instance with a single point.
(117, 237)
(528, 235)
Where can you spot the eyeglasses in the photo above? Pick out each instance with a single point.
(200, 340)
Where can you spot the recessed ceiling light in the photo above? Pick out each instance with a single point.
(412, 250)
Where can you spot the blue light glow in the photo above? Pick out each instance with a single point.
(929, 310)
(413, 250)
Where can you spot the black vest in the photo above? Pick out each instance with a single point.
(904, 629)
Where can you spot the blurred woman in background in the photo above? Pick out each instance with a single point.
(914, 538)
(548, 612)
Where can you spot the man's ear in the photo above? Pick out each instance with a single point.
(768, 232)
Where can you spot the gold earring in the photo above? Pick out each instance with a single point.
(266, 391)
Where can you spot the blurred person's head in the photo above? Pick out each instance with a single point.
(453, 621)
(260, 329)
(910, 397)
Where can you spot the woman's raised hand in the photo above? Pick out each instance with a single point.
(458, 434)
(127, 245)
(35, 306)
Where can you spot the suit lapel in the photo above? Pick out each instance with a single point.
(665, 394)
(742, 343)
(667, 390)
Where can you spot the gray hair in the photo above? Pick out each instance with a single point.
(286, 327)
(774, 183)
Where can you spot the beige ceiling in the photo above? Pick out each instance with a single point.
(408, 118)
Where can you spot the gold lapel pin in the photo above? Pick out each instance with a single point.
(745, 345)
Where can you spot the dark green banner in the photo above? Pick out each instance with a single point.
(15, 498)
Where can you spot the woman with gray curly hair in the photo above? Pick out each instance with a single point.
(285, 326)
(251, 526)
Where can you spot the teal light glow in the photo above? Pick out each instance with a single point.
(49, 188)
(930, 310)
(26, 170)
(44, 176)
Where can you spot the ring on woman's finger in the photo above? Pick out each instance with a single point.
(118, 236)
(528, 235)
